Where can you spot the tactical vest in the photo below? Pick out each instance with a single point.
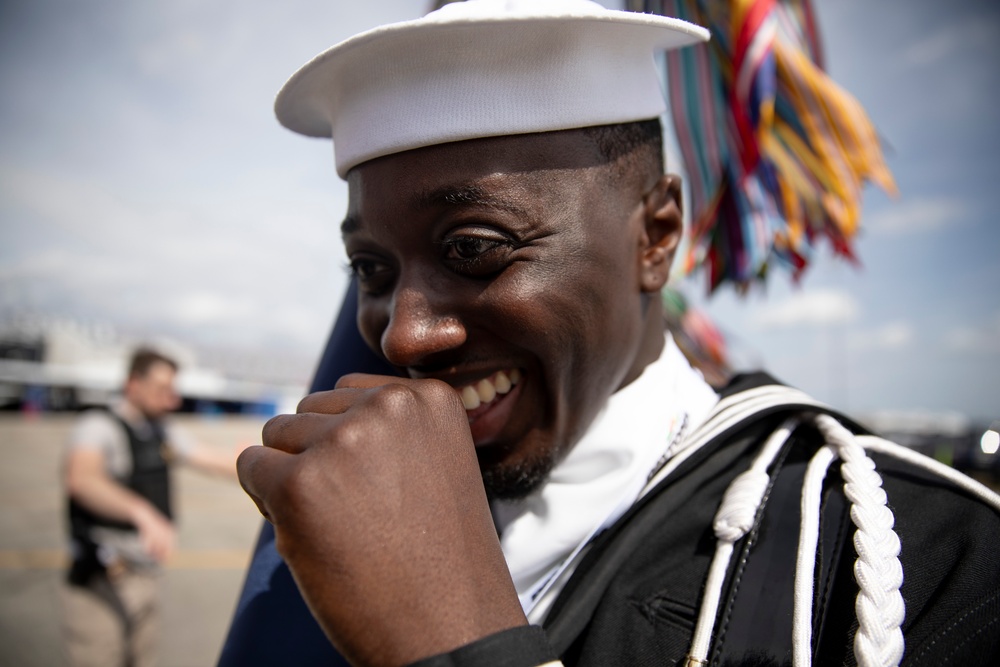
(149, 478)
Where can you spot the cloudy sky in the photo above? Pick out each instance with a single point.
(145, 185)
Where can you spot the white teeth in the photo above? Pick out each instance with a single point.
(470, 398)
(487, 389)
(487, 392)
(501, 382)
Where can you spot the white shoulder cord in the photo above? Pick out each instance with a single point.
(805, 558)
(728, 412)
(879, 606)
(734, 519)
(889, 448)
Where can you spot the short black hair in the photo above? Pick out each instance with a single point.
(641, 141)
(145, 358)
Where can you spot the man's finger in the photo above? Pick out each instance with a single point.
(332, 402)
(368, 381)
(294, 434)
(261, 470)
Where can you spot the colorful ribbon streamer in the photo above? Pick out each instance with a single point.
(776, 153)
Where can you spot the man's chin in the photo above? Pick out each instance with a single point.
(154, 415)
(513, 481)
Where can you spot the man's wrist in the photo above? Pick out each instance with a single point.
(141, 513)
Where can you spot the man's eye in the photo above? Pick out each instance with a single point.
(469, 247)
(364, 268)
(371, 274)
(478, 255)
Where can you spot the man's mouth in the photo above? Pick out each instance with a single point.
(479, 396)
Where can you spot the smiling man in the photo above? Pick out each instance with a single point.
(544, 477)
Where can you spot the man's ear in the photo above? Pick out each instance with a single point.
(663, 225)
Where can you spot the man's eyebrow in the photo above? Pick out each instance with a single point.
(461, 195)
(448, 196)
(350, 225)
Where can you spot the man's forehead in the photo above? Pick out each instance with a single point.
(464, 166)
(158, 372)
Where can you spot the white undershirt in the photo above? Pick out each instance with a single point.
(603, 473)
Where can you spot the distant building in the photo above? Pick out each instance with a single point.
(49, 364)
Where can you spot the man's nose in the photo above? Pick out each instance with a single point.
(418, 329)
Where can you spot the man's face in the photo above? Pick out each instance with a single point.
(511, 258)
(153, 393)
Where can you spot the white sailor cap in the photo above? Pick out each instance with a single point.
(481, 68)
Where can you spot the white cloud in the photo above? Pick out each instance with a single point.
(918, 215)
(982, 339)
(967, 35)
(71, 203)
(891, 336)
(821, 307)
(207, 308)
(164, 53)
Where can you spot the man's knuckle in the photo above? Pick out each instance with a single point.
(443, 394)
(394, 398)
(318, 401)
(346, 434)
(274, 427)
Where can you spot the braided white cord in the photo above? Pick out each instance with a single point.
(734, 519)
(879, 606)
(809, 534)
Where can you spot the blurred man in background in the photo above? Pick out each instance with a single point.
(117, 478)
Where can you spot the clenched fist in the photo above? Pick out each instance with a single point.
(379, 510)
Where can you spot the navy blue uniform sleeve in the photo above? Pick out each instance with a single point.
(272, 625)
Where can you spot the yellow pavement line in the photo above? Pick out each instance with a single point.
(56, 559)
(210, 559)
(32, 559)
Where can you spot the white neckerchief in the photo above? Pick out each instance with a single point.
(603, 473)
